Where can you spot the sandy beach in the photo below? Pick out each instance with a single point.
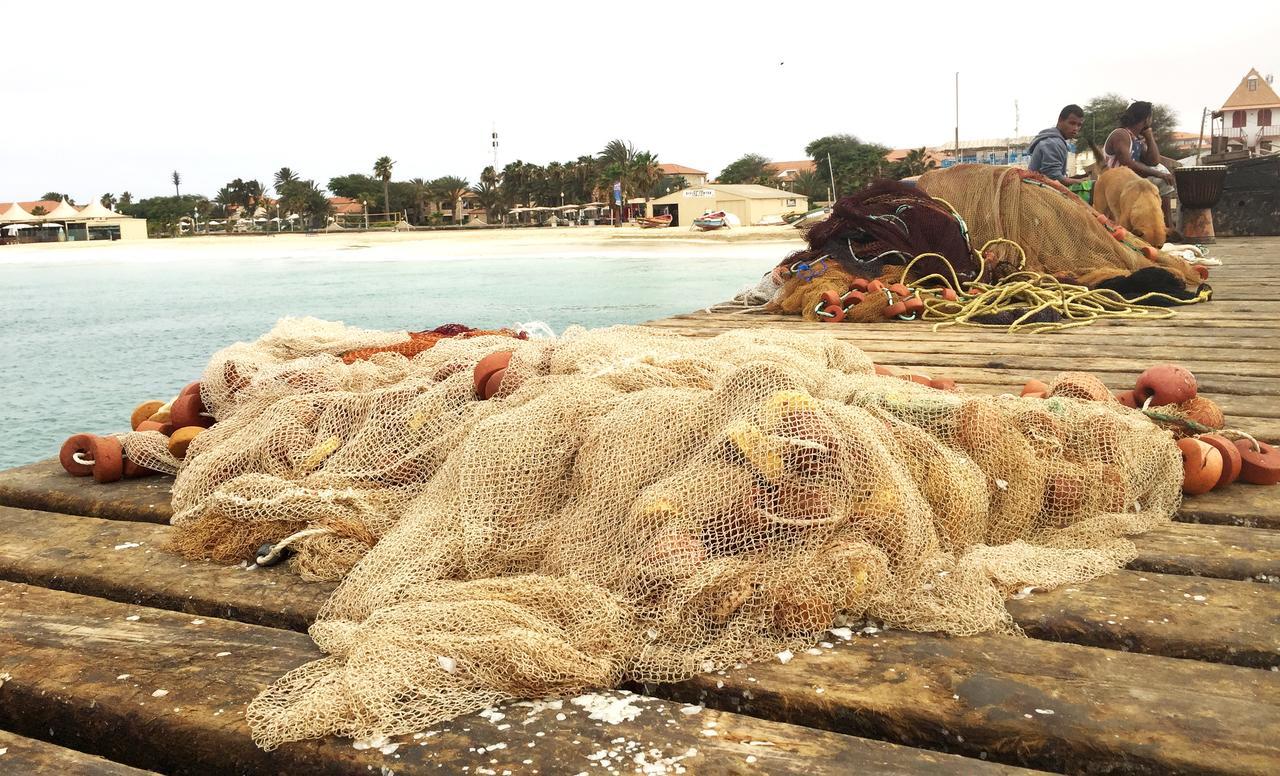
(747, 241)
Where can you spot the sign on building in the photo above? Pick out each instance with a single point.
(700, 193)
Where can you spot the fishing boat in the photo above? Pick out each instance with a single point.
(717, 219)
(654, 222)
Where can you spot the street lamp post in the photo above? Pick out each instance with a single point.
(195, 222)
(365, 207)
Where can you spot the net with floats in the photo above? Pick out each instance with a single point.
(631, 505)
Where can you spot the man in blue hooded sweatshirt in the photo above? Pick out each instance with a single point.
(1049, 149)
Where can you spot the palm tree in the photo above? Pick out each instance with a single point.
(177, 179)
(421, 198)
(225, 197)
(126, 199)
(382, 170)
(54, 196)
(646, 174)
(109, 201)
(454, 189)
(810, 183)
(284, 176)
(490, 197)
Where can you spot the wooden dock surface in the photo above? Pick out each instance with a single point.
(117, 657)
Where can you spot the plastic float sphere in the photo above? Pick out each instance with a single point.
(1201, 466)
(1165, 384)
(485, 368)
(143, 412)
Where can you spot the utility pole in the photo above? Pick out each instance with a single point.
(832, 172)
(957, 117)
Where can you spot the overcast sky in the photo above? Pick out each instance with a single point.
(102, 97)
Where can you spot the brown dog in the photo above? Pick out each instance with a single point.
(1132, 202)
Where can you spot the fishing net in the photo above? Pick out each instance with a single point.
(632, 505)
(1058, 232)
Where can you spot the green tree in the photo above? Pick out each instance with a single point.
(39, 210)
(126, 199)
(56, 197)
(177, 179)
(749, 168)
(284, 176)
(490, 197)
(163, 214)
(453, 189)
(382, 171)
(1102, 114)
(645, 174)
(811, 184)
(354, 186)
(109, 201)
(226, 197)
(854, 162)
(306, 200)
(916, 162)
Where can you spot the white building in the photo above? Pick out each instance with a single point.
(1251, 115)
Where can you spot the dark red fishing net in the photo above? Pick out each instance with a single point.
(889, 223)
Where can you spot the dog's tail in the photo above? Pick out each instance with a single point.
(1099, 161)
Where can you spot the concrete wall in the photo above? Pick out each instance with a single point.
(133, 229)
(690, 203)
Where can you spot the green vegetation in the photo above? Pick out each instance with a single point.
(163, 214)
(855, 163)
(748, 168)
(56, 197)
(382, 169)
(1102, 115)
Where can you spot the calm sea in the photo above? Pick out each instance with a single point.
(89, 332)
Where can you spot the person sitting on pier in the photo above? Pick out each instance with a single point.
(1049, 149)
(1133, 145)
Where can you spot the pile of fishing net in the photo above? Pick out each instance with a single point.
(632, 505)
(1024, 249)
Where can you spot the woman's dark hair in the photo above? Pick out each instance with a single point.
(1136, 113)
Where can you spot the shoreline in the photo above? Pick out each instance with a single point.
(567, 235)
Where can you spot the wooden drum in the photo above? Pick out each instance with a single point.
(1200, 187)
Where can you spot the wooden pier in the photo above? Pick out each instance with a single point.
(118, 658)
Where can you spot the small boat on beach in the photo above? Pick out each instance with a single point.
(715, 220)
(654, 222)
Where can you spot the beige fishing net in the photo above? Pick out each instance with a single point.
(1058, 232)
(632, 505)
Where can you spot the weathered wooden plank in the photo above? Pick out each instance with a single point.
(1043, 704)
(1222, 551)
(87, 676)
(1132, 336)
(122, 561)
(44, 485)
(1252, 506)
(23, 756)
(1161, 614)
(125, 561)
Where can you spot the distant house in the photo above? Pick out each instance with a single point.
(784, 173)
(750, 203)
(346, 206)
(930, 155)
(1250, 118)
(691, 176)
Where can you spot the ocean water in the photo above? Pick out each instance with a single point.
(89, 332)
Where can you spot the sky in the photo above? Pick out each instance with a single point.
(109, 97)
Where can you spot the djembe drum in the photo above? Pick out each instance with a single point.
(1199, 189)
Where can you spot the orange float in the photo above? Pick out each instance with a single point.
(834, 313)
(1231, 460)
(1127, 399)
(486, 366)
(1165, 384)
(493, 384)
(1201, 466)
(189, 410)
(182, 439)
(1035, 389)
(1260, 466)
(76, 456)
(1203, 411)
(142, 412)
